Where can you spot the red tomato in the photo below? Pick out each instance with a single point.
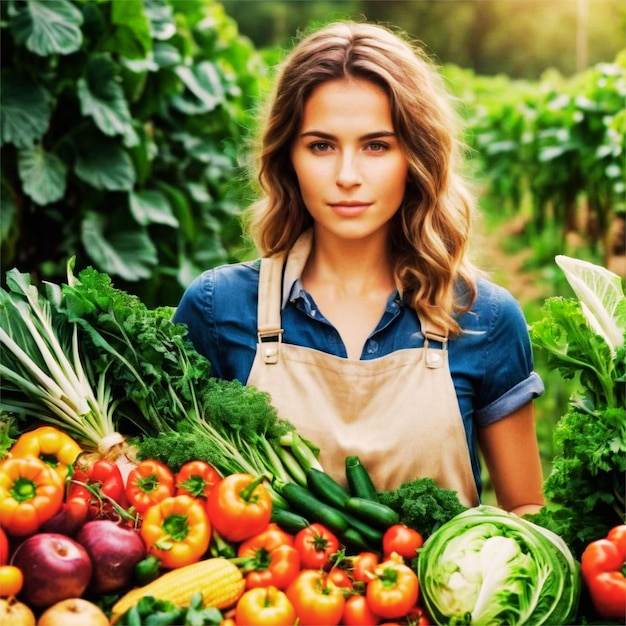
(149, 483)
(340, 578)
(357, 612)
(316, 599)
(316, 544)
(269, 558)
(4, 548)
(196, 479)
(363, 566)
(403, 540)
(394, 590)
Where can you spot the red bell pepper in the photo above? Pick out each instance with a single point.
(603, 567)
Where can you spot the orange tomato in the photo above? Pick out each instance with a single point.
(11, 580)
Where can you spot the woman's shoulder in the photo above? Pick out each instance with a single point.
(232, 277)
(494, 304)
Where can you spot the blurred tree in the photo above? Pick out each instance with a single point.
(521, 38)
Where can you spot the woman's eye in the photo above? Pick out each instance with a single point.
(320, 146)
(377, 146)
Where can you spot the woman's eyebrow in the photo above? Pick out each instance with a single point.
(367, 137)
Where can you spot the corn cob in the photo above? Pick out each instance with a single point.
(220, 582)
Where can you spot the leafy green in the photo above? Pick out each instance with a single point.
(586, 487)
(44, 373)
(587, 481)
(150, 611)
(576, 351)
(487, 566)
(601, 297)
(423, 505)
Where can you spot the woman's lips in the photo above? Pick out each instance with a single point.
(349, 209)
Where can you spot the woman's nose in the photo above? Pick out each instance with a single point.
(348, 173)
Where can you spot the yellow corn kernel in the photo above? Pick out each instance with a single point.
(220, 582)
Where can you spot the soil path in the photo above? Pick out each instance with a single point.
(508, 268)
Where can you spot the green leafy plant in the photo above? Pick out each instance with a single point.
(584, 339)
(118, 130)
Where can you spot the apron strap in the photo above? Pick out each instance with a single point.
(269, 331)
(433, 358)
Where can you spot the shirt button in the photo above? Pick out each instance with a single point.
(313, 312)
(372, 346)
(434, 357)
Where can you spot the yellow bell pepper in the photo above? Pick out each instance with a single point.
(54, 447)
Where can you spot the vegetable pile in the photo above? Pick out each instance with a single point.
(154, 493)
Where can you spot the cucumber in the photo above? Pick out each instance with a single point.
(359, 481)
(376, 513)
(326, 488)
(353, 540)
(307, 505)
(373, 536)
(289, 521)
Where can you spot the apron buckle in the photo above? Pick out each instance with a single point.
(269, 341)
(434, 358)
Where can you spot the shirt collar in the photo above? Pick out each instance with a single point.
(296, 260)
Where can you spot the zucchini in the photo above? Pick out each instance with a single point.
(376, 513)
(326, 488)
(307, 505)
(289, 521)
(359, 481)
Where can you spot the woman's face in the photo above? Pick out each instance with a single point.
(351, 171)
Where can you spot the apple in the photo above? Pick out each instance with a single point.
(73, 612)
(55, 567)
(114, 551)
(15, 613)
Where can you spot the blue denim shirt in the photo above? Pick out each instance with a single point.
(491, 362)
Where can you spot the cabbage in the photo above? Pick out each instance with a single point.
(487, 566)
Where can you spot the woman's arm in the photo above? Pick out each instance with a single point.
(511, 454)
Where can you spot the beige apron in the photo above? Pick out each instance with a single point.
(399, 413)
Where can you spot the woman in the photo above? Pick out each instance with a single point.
(365, 320)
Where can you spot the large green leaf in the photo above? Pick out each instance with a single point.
(204, 89)
(104, 164)
(129, 254)
(102, 97)
(43, 174)
(160, 14)
(48, 27)
(151, 207)
(131, 36)
(24, 110)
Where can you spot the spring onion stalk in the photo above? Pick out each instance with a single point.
(42, 371)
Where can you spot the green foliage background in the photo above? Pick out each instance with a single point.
(120, 128)
(123, 130)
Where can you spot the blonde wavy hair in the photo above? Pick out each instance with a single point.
(430, 231)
